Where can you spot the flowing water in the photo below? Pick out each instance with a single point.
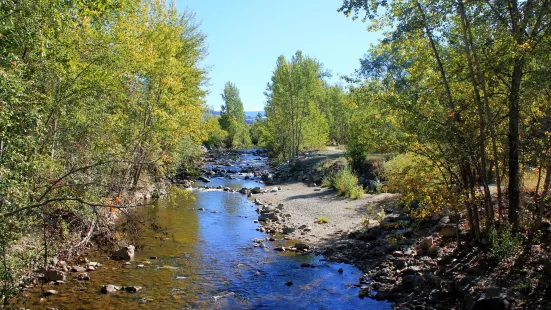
(206, 260)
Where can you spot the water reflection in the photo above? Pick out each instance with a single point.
(207, 260)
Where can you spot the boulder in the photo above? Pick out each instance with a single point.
(426, 244)
(54, 275)
(109, 289)
(50, 292)
(126, 253)
(410, 282)
(288, 230)
(496, 303)
(83, 277)
(302, 247)
(204, 179)
(435, 251)
(132, 289)
(78, 269)
(448, 230)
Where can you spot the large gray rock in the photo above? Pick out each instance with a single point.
(54, 275)
(110, 288)
(448, 230)
(496, 303)
(410, 282)
(302, 247)
(126, 253)
(256, 190)
(426, 244)
(203, 179)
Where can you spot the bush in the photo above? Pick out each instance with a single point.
(421, 184)
(502, 243)
(322, 220)
(346, 184)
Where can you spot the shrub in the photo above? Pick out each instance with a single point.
(421, 184)
(322, 220)
(502, 243)
(346, 184)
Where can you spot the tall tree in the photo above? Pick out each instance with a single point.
(232, 118)
(294, 121)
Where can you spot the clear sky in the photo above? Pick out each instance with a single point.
(245, 37)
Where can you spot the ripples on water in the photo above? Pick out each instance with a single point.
(208, 261)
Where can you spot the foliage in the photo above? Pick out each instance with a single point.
(97, 98)
(463, 85)
(257, 130)
(322, 220)
(216, 135)
(503, 244)
(422, 183)
(232, 118)
(346, 183)
(294, 122)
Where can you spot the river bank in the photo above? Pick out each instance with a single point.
(413, 263)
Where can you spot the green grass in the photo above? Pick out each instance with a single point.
(346, 184)
(322, 220)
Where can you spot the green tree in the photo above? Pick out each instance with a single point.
(294, 121)
(232, 118)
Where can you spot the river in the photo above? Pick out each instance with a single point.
(207, 260)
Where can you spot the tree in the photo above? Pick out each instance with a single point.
(232, 118)
(294, 121)
(451, 68)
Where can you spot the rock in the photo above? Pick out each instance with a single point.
(288, 230)
(547, 267)
(266, 217)
(83, 277)
(204, 179)
(370, 234)
(435, 251)
(435, 217)
(132, 289)
(256, 190)
(340, 270)
(468, 302)
(109, 289)
(289, 283)
(78, 269)
(90, 268)
(448, 230)
(410, 282)
(436, 297)
(426, 244)
(54, 275)
(274, 190)
(364, 292)
(302, 247)
(496, 303)
(126, 253)
(50, 292)
(492, 292)
(280, 249)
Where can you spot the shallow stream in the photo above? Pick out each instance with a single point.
(207, 260)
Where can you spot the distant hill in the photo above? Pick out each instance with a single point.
(250, 116)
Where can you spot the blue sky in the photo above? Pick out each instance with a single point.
(245, 37)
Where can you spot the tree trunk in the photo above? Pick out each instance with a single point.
(481, 119)
(514, 148)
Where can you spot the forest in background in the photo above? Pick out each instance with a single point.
(102, 98)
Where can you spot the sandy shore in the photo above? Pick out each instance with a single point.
(302, 205)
